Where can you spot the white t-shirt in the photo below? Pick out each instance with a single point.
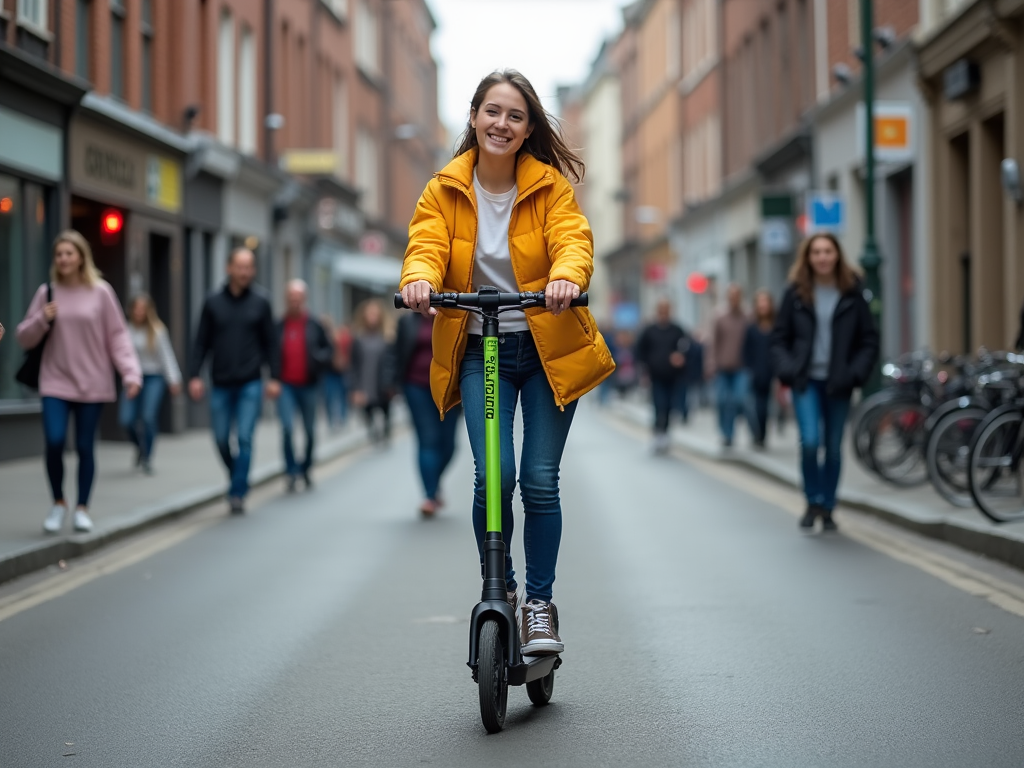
(493, 262)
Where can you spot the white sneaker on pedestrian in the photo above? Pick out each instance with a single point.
(83, 523)
(55, 520)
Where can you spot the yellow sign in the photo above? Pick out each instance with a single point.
(163, 183)
(309, 161)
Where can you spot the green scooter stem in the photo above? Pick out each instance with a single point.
(494, 587)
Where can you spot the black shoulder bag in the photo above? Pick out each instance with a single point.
(28, 373)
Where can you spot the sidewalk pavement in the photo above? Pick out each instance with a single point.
(919, 509)
(188, 473)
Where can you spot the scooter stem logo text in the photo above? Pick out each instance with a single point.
(490, 387)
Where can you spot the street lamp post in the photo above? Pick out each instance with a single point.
(870, 259)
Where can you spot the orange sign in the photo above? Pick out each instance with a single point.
(892, 131)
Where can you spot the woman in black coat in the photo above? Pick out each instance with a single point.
(757, 359)
(824, 345)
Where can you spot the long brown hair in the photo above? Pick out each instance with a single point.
(801, 274)
(547, 142)
(152, 322)
(769, 318)
(87, 269)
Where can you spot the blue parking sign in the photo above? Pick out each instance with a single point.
(826, 212)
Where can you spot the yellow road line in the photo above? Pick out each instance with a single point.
(999, 592)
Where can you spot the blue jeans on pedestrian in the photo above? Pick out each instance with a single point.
(335, 397)
(664, 395)
(145, 406)
(302, 399)
(731, 392)
(545, 428)
(821, 420)
(435, 438)
(56, 414)
(237, 406)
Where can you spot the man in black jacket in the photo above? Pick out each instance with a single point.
(236, 329)
(305, 354)
(661, 351)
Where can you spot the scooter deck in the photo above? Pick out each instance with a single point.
(533, 668)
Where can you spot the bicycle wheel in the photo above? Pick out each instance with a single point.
(863, 425)
(492, 677)
(898, 444)
(994, 476)
(948, 452)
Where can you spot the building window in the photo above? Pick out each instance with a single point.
(341, 127)
(367, 51)
(117, 17)
(226, 80)
(24, 261)
(33, 13)
(247, 92)
(147, 55)
(83, 39)
(368, 172)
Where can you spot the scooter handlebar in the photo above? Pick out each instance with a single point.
(525, 300)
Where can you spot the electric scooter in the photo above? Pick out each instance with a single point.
(494, 651)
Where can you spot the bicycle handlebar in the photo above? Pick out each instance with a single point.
(490, 301)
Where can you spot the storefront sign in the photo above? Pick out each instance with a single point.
(123, 170)
(894, 131)
(31, 145)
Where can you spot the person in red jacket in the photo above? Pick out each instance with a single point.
(305, 354)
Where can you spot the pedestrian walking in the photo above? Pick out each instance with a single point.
(236, 331)
(160, 373)
(373, 372)
(757, 359)
(623, 351)
(731, 382)
(435, 437)
(660, 351)
(86, 339)
(305, 353)
(335, 388)
(502, 214)
(824, 345)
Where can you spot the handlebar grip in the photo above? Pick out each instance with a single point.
(399, 302)
(580, 301)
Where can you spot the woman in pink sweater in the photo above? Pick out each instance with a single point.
(88, 339)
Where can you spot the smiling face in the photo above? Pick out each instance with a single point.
(823, 257)
(502, 122)
(67, 259)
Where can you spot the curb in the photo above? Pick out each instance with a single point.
(1005, 547)
(38, 557)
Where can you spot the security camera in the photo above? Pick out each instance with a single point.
(842, 73)
(885, 37)
(1011, 179)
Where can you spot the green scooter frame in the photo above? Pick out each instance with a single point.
(494, 649)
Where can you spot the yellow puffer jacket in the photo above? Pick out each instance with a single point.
(549, 239)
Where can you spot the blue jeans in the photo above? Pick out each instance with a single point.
(304, 399)
(545, 428)
(665, 396)
(819, 415)
(56, 414)
(731, 391)
(147, 407)
(335, 396)
(239, 406)
(436, 438)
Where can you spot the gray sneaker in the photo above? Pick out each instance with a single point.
(538, 629)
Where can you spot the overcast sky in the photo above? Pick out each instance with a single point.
(552, 42)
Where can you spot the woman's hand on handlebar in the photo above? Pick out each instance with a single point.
(417, 296)
(558, 294)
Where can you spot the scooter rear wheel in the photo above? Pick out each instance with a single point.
(492, 677)
(540, 690)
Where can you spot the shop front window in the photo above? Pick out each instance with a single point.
(24, 260)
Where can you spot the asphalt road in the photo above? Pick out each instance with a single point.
(329, 629)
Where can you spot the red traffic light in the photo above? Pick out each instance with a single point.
(111, 222)
(696, 282)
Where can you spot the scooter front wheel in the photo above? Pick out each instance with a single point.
(540, 690)
(492, 677)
